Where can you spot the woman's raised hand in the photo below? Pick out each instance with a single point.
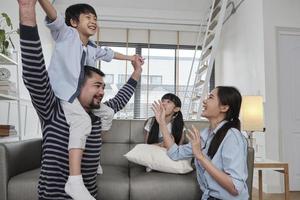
(194, 138)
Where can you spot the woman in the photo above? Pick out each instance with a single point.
(173, 119)
(220, 151)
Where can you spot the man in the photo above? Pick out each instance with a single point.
(55, 130)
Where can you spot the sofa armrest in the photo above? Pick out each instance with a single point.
(16, 158)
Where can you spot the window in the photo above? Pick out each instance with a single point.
(122, 78)
(155, 80)
(109, 78)
(159, 76)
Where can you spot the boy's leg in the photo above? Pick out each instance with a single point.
(106, 115)
(80, 127)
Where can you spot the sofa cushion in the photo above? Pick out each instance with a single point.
(112, 154)
(113, 184)
(158, 185)
(156, 158)
(24, 185)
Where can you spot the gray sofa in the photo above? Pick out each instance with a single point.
(121, 180)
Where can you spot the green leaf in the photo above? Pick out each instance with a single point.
(2, 35)
(7, 19)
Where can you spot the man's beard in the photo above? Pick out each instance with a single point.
(95, 105)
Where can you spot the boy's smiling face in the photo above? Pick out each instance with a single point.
(87, 24)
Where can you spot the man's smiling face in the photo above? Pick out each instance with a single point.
(92, 92)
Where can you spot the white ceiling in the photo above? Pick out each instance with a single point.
(157, 11)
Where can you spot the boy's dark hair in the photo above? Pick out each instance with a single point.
(88, 72)
(177, 122)
(73, 12)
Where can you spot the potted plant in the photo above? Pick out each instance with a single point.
(6, 30)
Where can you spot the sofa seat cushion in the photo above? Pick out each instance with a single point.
(113, 184)
(24, 186)
(157, 185)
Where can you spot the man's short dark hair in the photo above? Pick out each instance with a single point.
(88, 72)
(73, 12)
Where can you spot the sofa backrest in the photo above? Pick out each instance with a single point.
(16, 158)
(115, 143)
(124, 135)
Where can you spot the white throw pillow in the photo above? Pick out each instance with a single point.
(156, 158)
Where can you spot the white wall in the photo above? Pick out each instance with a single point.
(241, 57)
(276, 13)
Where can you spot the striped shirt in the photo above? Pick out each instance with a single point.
(55, 130)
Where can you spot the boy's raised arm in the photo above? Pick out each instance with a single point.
(49, 9)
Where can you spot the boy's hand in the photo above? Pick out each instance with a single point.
(137, 57)
(137, 62)
(137, 66)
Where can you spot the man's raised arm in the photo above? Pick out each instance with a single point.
(27, 14)
(34, 72)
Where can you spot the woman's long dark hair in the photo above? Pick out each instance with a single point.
(227, 96)
(177, 122)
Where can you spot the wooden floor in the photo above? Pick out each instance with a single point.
(293, 196)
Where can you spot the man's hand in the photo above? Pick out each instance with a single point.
(137, 56)
(137, 66)
(27, 12)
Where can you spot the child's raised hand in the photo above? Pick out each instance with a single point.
(137, 57)
(159, 111)
(142, 59)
